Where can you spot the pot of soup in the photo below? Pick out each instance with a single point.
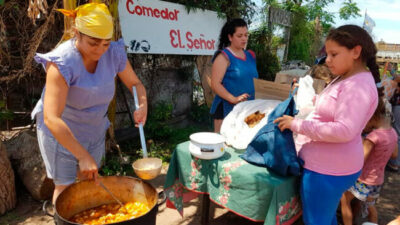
(87, 203)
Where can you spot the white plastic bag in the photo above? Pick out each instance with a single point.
(305, 96)
(236, 131)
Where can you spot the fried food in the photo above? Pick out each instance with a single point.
(110, 213)
(254, 119)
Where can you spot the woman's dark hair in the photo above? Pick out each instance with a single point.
(229, 29)
(350, 36)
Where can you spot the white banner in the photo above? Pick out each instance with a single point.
(158, 27)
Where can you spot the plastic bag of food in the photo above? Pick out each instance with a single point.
(245, 120)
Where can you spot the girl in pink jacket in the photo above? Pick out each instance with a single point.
(331, 140)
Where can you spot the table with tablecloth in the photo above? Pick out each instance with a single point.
(247, 190)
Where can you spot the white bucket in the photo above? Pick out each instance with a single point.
(207, 145)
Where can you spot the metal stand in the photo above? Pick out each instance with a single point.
(205, 209)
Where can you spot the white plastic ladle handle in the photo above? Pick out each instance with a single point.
(141, 132)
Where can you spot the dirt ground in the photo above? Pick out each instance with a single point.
(29, 212)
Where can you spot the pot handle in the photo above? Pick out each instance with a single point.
(44, 208)
(163, 197)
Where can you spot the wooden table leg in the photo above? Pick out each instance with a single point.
(205, 209)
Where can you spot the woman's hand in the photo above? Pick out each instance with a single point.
(140, 115)
(130, 79)
(240, 98)
(88, 167)
(284, 122)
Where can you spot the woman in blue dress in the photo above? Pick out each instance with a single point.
(80, 81)
(232, 71)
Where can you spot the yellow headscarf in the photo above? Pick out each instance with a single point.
(92, 19)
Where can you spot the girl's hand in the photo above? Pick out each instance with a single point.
(284, 122)
(88, 168)
(140, 115)
(241, 98)
(294, 84)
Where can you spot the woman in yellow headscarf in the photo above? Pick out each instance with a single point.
(72, 112)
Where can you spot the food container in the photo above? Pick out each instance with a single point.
(86, 195)
(207, 145)
(147, 168)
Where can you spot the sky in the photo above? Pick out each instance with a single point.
(385, 13)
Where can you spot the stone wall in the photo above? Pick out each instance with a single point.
(167, 78)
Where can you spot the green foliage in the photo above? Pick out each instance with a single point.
(156, 128)
(301, 38)
(200, 113)
(310, 22)
(317, 9)
(161, 112)
(161, 150)
(349, 10)
(10, 218)
(161, 138)
(262, 43)
(5, 114)
(113, 167)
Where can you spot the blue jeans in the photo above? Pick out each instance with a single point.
(320, 195)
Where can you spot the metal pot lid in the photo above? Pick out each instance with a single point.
(207, 138)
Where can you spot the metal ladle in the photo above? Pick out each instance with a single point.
(112, 195)
(146, 168)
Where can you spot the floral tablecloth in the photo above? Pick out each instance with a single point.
(247, 190)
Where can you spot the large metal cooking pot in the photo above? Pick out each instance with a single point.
(86, 194)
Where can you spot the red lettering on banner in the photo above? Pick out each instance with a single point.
(149, 11)
(199, 43)
(172, 35)
(138, 10)
(128, 3)
(156, 13)
(165, 13)
(180, 41)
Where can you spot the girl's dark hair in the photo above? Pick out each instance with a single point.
(350, 36)
(380, 111)
(229, 29)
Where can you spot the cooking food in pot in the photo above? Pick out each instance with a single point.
(111, 213)
(254, 118)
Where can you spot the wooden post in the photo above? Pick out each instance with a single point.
(111, 142)
(204, 67)
(287, 44)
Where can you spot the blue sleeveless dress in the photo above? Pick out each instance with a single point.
(238, 79)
